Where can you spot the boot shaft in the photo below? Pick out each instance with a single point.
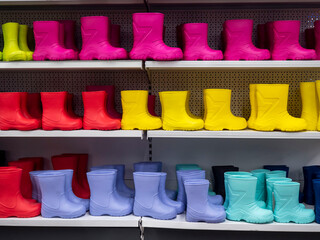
(217, 101)
(94, 30)
(69, 29)
(102, 183)
(46, 33)
(10, 180)
(34, 105)
(238, 31)
(54, 104)
(197, 193)
(10, 103)
(61, 34)
(23, 33)
(10, 32)
(285, 32)
(94, 102)
(65, 162)
(147, 167)
(173, 103)
(134, 101)
(241, 190)
(183, 175)
(195, 35)
(114, 35)
(276, 173)
(286, 195)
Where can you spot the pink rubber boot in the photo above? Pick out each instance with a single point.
(262, 36)
(151, 105)
(68, 33)
(46, 35)
(109, 89)
(238, 39)
(269, 32)
(317, 38)
(95, 40)
(195, 43)
(148, 39)
(115, 35)
(310, 38)
(286, 42)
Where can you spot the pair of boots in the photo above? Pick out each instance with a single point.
(15, 42)
(54, 191)
(282, 39)
(150, 198)
(105, 198)
(54, 40)
(310, 173)
(27, 165)
(121, 187)
(78, 163)
(20, 111)
(194, 41)
(269, 109)
(12, 203)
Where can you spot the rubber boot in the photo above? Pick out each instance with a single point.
(316, 189)
(277, 167)
(147, 202)
(270, 188)
(37, 162)
(36, 192)
(68, 33)
(95, 40)
(226, 177)
(95, 112)
(48, 47)
(218, 115)
(198, 208)
(24, 108)
(3, 160)
(114, 35)
(70, 162)
(287, 208)
(308, 174)
(34, 105)
(70, 107)
(309, 34)
(1, 55)
(26, 186)
(262, 36)
(238, 39)
(187, 167)
(12, 115)
(55, 115)
(315, 37)
(23, 44)
(179, 206)
(110, 90)
(286, 42)
(276, 174)
(242, 203)
(261, 190)
(105, 199)
(54, 198)
(147, 167)
(174, 114)
(12, 204)
(151, 105)
(318, 95)
(195, 43)
(135, 111)
(188, 108)
(219, 181)
(310, 109)
(272, 114)
(253, 106)
(11, 50)
(148, 39)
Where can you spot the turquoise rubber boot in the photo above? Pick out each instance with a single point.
(261, 191)
(226, 175)
(242, 202)
(270, 183)
(287, 207)
(276, 174)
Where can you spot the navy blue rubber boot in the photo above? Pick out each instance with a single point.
(218, 176)
(308, 174)
(316, 188)
(277, 167)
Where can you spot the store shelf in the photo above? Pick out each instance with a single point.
(74, 133)
(85, 221)
(67, 2)
(244, 134)
(180, 223)
(229, 65)
(72, 65)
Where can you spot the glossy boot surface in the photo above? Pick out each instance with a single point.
(23, 43)
(270, 188)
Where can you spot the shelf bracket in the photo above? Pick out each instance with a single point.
(141, 229)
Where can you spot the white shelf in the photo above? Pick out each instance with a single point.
(67, 2)
(85, 221)
(244, 134)
(73, 65)
(218, 65)
(74, 133)
(180, 223)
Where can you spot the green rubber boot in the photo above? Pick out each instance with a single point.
(242, 202)
(261, 191)
(11, 50)
(226, 176)
(287, 207)
(23, 45)
(0, 56)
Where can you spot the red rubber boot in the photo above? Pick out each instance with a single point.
(37, 161)
(12, 204)
(55, 115)
(114, 35)
(34, 105)
(26, 186)
(24, 107)
(110, 90)
(70, 108)
(70, 162)
(151, 105)
(95, 112)
(12, 115)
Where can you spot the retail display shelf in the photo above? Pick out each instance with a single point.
(180, 223)
(85, 221)
(75, 65)
(74, 133)
(67, 2)
(228, 65)
(244, 134)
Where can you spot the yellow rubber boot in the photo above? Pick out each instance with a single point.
(174, 112)
(218, 115)
(309, 104)
(318, 101)
(272, 114)
(253, 104)
(11, 50)
(0, 56)
(135, 111)
(23, 45)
